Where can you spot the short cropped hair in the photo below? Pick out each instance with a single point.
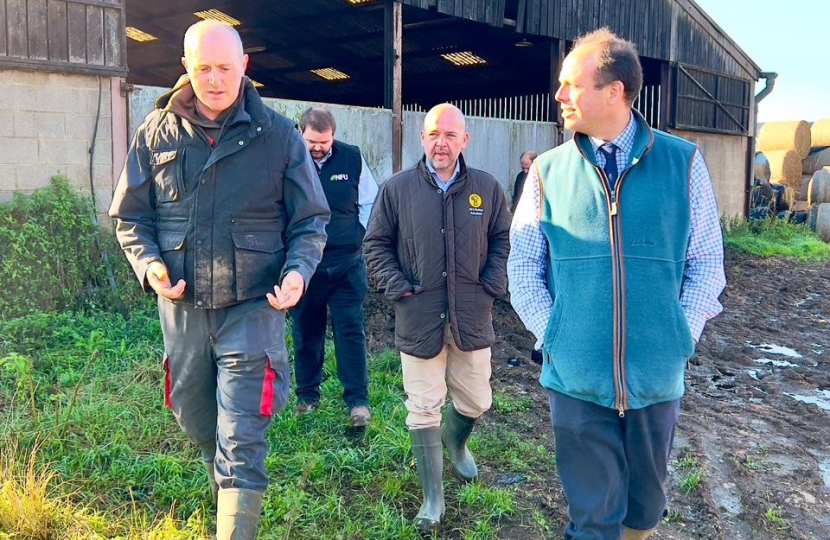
(318, 119)
(617, 60)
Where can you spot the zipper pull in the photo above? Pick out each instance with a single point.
(622, 412)
(613, 203)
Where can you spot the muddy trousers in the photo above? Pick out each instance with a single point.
(612, 469)
(226, 374)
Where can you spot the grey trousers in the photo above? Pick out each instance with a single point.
(226, 373)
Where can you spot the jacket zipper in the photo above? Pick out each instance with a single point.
(621, 402)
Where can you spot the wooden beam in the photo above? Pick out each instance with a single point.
(666, 91)
(557, 57)
(392, 51)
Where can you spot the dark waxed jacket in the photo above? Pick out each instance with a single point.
(450, 250)
(230, 219)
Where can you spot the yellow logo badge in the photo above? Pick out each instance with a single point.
(475, 200)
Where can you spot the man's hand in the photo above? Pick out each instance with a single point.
(160, 282)
(289, 294)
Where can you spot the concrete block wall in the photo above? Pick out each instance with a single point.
(46, 128)
(725, 157)
(495, 145)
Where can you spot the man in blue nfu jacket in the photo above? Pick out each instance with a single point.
(616, 264)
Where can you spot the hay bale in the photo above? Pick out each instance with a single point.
(818, 158)
(803, 190)
(794, 135)
(818, 190)
(820, 132)
(761, 167)
(785, 167)
(823, 222)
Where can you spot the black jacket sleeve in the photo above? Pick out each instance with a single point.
(494, 276)
(133, 208)
(307, 209)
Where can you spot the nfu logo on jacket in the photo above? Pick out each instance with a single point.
(475, 205)
(342, 177)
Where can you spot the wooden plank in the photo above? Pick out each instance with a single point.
(113, 29)
(3, 32)
(76, 30)
(58, 38)
(393, 69)
(18, 36)
(95, 35)
(521, 16)
(36, 21)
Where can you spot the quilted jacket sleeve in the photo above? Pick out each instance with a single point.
(494, 276)
(381, 246)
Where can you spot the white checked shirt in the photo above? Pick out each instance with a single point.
(703, 276)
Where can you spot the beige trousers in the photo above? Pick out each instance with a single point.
(425, 382)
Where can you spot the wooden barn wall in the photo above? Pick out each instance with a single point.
(83, 36)
(646, 23)
(696, 47)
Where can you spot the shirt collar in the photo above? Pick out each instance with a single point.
(324, 158)
(624, 141)
(434, 173)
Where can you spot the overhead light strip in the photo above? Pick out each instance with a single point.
(216, 15)
(330, 74)
(139, 35)
(464, 58)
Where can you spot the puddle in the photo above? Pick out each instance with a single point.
(725, 496)
(775, 349)
(820, 398)
(776, 363)
(824, 467)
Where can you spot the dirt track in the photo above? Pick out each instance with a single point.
(755, 421)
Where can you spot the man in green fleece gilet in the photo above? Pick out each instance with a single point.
(616, 263)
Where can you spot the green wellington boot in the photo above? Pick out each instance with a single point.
(454, 434)
(237, 515)
(214, 487)
(429, 460)
(635, 534)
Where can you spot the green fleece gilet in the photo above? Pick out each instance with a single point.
(617, 322)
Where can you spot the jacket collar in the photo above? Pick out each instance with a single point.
(251, 108)
(427, 176)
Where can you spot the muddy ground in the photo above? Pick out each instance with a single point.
(755, 421)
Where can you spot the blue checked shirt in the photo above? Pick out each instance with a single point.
(703, 275)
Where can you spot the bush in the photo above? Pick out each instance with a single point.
(52, 255)
(775, 237)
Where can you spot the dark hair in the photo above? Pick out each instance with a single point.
(617, 60)
(318, 119)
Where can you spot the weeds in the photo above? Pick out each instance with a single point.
(775, 238)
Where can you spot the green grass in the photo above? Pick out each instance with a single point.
(82, 393)
(775, 238)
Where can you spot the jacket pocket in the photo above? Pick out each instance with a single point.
(171, 246)
(258, 260)
(276, 383)
(411, 261)
(167, 169)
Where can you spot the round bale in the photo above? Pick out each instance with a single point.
(817, 159)
(823, 222)
(820, 132)
(785, 167)
(793, 135)
(818, 191)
